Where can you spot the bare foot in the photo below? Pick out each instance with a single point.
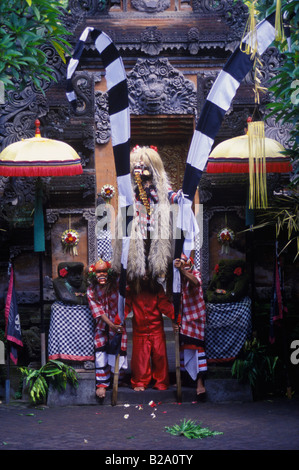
(101, 392)
(200, 387)
(138, 389)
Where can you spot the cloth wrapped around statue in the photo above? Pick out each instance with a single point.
(71, 329)
(228, 311)
(228, 326)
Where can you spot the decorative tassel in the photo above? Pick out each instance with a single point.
(258, 88)
(250, 45)
(257, 166)
(279, 31)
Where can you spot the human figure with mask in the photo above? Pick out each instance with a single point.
(191, 324)
(102, 296)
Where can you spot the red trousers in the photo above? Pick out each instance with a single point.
(149, 361)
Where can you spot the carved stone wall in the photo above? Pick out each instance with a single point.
(172, 52)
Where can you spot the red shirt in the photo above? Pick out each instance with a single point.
(148, 309)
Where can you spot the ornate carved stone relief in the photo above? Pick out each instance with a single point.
(102, 120)
(150, 6)
(151, 41)
(155, 87)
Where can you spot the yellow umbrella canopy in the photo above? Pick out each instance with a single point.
(232, 156)
(39, 156)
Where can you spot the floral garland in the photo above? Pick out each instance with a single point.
(70, 239)
(225, 237)
(108, 191)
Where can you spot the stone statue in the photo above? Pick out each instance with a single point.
(229, 282)
(71, 325)
(70, 286)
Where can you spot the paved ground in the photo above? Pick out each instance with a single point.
(261, 425)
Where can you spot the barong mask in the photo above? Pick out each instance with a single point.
(188, 263)
(101, 271)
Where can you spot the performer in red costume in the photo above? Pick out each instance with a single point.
(102, 295)
(192, 323)
(149, 355)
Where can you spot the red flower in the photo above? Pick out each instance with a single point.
(238, 271)
(63, 272)
(70, 238)
(154, 148)
(91, 268)
(216, 269)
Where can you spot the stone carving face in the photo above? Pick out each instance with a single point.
(75, 278)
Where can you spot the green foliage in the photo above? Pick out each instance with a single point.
(254, 366)
(26, 26)
(53, 373)
(283, 215)
(191, 430)
(284, 87)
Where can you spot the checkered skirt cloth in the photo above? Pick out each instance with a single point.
(71, 333)
(227, 328)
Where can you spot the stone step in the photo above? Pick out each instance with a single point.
(218, 390)
(220, 385)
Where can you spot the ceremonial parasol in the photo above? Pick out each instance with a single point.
(38, 157)
(232, 156)
(253, 154)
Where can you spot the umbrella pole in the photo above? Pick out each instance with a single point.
(41, 297)
(39, 247)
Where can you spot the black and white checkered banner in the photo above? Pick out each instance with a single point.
(120, 131)
(216, 105)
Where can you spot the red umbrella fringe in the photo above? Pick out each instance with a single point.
(42, 170)
(234, 167)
